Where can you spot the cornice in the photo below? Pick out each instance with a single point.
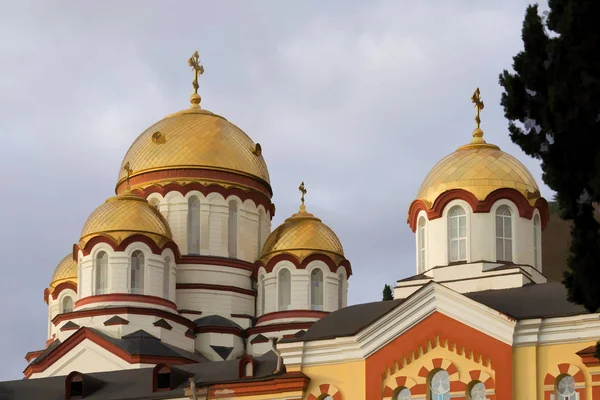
(541, 331)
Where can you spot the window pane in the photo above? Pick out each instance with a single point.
(499, 249)
(507, 250)
(507, 227)
(499, 226)
(454, 250)
(463, 227)
(463, 249)
(453, 224)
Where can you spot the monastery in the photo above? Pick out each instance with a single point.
(179, 288)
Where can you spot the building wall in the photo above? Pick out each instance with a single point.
(347, 378)
(481, 236)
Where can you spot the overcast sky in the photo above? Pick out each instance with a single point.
(359, 99)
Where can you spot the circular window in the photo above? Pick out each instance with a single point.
(440, 385)
(403, 394)
(477, 392)
(566, 388)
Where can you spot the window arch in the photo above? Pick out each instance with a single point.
(504, 238)
(193, 228)
(457, 234)
(421, 244)
(233, 228)
(66, 304)
(101, 267)
(341, 291)
(284, 286)
(74, 386)
(166, 276)
(439, 385)
(537, 236)
(137, 272)
(316, 289)
(477, 391)
(565, 388)
(402, 394)
(161, 377)
(262, 294)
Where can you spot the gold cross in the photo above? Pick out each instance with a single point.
(128, 171)
(302, 190)
(476, 99)
(197, 68)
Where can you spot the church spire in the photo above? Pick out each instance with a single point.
(198, 69)
(477, 132)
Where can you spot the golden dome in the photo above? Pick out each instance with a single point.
(123, 216)
(479, 168)
(66, 271)
(302, 234)
(194, 139)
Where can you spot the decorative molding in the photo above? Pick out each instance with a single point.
(588, 357)
(208, 286)
(295, 382)
(219, 261)
(126, 297)
(478, 206)
(325, 389)
(155, 248)
(288, 326)
(302, 264)
(231, 330)
(539, 331)
(291, 314)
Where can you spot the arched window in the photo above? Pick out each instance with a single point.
(341, 292)
(565, 388)
(233, 231)
(162, 377)
(137, 272)
(316, 289)
(166, 275)
(536, 242)
(284, 287)
(262, 294)
(503, 234)
(74, 383)
(457, 234)
(101, 272)
(259, 233)
(439, 386)
(67, 304)
(193, 228)
(421, 244)
(403, 394)
(477, 392)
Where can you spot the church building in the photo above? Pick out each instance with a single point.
(179, 287)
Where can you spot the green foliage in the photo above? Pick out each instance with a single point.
(553, 104)
(387, 293)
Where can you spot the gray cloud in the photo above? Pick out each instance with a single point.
(358, 99)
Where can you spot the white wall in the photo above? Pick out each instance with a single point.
(481, 236)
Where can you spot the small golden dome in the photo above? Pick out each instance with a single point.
(123, 216)
(302, 234)
(479, 168)
(66, 271)
(194, 139)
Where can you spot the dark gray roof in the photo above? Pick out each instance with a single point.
(222, 351)
(543, 300)
(137, 383)
(216, 320)
(346, 321)
(116, 320)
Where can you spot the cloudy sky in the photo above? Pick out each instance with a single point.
(358, 99)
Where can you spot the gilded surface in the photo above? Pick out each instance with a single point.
(302, 235)
(479, 169)
(66, 271)
(123, 216)
(195, 138)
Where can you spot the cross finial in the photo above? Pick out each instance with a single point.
(476, 99)
(302, 190)
(128, 171)
(194, 62)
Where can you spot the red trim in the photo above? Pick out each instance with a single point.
(220, 261)
(288, 382)
(134, 298)
(207, 286)
(32, 355)
(288, 326)
(62, 286)
(588, 356)
(123, 245)
(193, 312)
(85, 333)
(302, 265)
(71, 378)
(124, 310)
(291, 314)
(245, 360)
(478, 206)
(260, 192)
(46, 294)
(220, 329)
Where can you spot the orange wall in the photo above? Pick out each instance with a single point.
(448, 329)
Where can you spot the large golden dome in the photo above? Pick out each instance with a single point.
(123, 216)
(194, 139)
(66, 271)
(302, 234)
(479, 168)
